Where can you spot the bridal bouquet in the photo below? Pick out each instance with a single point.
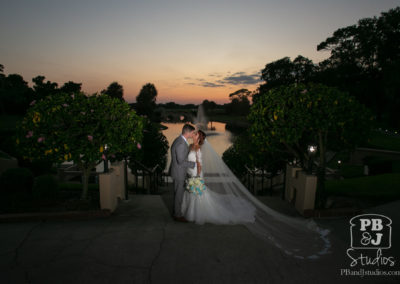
(195, 185)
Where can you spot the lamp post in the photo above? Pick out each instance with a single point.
(105, 159)
(312, 150)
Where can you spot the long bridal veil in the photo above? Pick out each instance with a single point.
(295, 236)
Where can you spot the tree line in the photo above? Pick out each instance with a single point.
(364, 61)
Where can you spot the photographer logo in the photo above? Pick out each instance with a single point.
(370, 231)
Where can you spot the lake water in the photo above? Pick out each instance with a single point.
(219, 138)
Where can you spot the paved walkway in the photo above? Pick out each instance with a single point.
(140, 243)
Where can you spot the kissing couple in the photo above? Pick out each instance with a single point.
(194, 200)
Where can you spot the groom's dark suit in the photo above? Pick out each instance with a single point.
(178, 168)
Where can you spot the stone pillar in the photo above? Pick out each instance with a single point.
(119, 179)
(291, 173)
(306, 187)
(108, 197)
(300, 189)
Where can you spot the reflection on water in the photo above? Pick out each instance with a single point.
(220, 139)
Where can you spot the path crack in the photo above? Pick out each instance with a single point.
(23, 242)
(158, 253)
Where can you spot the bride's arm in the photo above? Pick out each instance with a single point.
(199, 162)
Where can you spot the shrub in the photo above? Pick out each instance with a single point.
(352, 171)
(235, 161)
(45, 186)
(16, 180)
(380, 165)
(79, 128)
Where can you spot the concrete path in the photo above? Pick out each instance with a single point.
(140, 243)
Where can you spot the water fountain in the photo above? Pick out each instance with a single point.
(201, 121)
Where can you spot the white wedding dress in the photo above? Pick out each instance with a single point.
(213, 207)
(227, 201)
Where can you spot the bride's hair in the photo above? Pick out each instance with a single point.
(202, 136)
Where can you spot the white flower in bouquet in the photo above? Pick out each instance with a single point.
(195, 185)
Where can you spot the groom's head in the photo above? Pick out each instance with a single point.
(187, 130)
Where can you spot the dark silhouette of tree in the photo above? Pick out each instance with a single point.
(71, 87)
(240, 103)
(15, 94)
(154, 148)
(299, 115)
(172, 105)
(365, 61)
(146, 100)
(43, 89)
(208, 106)
(285, 72)
(114, 90)
(304, 69)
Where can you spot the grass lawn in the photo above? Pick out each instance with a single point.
(382, 187)
(381, 140)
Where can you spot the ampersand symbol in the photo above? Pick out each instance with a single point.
(366, 239)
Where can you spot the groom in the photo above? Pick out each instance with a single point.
(179, 166)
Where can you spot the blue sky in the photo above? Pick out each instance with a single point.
(190, 50)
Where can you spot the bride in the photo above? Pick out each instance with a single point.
(215, 195)
(208, 206)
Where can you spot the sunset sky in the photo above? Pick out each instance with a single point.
(190, 50)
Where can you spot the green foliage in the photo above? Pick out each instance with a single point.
(240, 103)
(71, 87)
(365, 61)
(43, 89)
(351, 171)
(15, 94)
(146, 100)
(45, 186)
(235, 161)
(41, 166)
(77, 128)
(384, 186)
(154, 148)
(298, 115)
(383, 140)
(209, 107)
(114, 90)
(245, 152)
(285, 72)
(16, 181)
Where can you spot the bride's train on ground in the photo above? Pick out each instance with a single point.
(227, 201)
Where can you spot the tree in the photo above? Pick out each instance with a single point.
(154, 147)
(365, 61)
(71, 87)
(284, 72)
(114, 90)
(296, 116)
(77, 128)
(43, 89)
(15, 94)
(209, 106)
(240, 103)
(244, 152)
(146, 100)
